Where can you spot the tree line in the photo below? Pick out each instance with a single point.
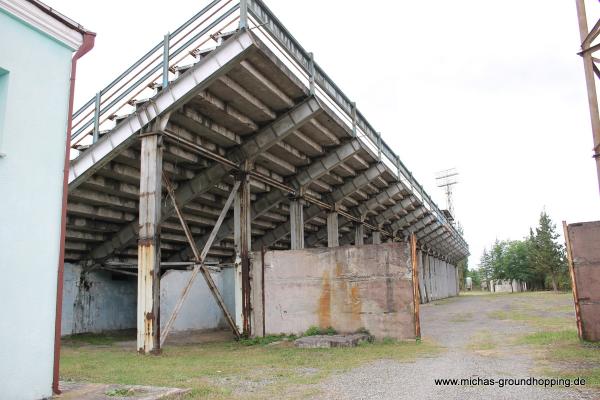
(538, 259)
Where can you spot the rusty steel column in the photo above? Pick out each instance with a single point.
(242, 238)
(588, 65)
(148, 304)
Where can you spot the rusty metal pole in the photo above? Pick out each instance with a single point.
(242, 235)
(590, 80)
(263, 250)
(148, 305)
(415, 277)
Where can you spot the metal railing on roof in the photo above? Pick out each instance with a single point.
(153, 69)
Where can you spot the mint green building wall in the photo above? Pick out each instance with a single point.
(35, 79)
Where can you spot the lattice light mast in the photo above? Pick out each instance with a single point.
(447, 179)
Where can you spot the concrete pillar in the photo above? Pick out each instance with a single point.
(333, 236)
(421, 276)
(376, 237)
(242, 238)
(148, 303)
(359, 234)
(297, 224)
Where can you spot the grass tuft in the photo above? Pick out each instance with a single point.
(266, 340)
(315, 330)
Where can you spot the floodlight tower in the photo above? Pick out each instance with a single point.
(447, 179)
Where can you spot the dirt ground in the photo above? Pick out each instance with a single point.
(469, 337)
(487, 336)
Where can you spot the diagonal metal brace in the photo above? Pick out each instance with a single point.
(199, 259)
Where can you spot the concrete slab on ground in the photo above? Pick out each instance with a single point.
(326, 341)
(99, 391)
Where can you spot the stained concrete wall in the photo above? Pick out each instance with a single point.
(97, 301)
(507, 286)
(100, 301)
(584, 238)
(437, 279)
(347, 288)
(200, 310)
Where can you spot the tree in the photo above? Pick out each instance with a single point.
(463, 270)
(485, 266)
(516, 261)
(547, 255)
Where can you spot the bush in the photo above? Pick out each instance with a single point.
(265, 340)
(315, 330)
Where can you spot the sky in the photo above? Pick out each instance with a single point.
(493, 89)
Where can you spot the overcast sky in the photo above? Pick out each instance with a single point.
(493, 88)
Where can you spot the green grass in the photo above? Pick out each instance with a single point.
(101, 339)
(122, 392)
(482, 341)
(548, 338)
(223, 370)
(262, 341)
(462, 317)
(564, 355)
(315, 330)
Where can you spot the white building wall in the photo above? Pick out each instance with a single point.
(36, 71)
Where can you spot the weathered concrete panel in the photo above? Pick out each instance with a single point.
(347, 288)
(421, 274)
(97, 301)
(200, 310)
(584, 239)
(100, 301)
(440, 279)
(507, 286)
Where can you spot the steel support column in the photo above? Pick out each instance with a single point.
(242, 238)
(148, 304)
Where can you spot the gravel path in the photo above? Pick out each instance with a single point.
(458, 325)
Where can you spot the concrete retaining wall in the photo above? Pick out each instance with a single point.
(100, 301)
(347, 288)
(437, 279)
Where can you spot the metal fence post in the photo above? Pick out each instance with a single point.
(96, 133)
(243, 14)
(165, 81)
